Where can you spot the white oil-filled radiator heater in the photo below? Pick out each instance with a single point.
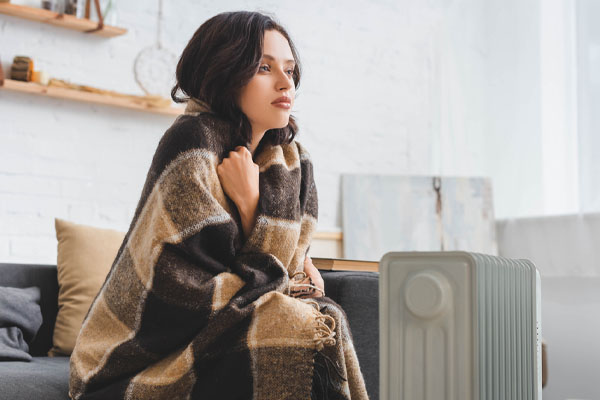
(459, 326)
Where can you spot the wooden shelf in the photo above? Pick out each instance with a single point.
(62, 20)
(89, 97)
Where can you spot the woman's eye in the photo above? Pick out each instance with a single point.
(289, 71)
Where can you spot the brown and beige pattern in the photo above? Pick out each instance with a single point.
(191, 310)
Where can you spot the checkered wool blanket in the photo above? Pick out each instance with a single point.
(191, 310)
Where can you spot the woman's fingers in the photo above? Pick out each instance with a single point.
(239, 177)
(241, 150)
(312, 272)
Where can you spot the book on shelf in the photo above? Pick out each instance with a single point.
(338, 264)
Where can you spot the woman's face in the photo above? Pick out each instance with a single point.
(273, 80)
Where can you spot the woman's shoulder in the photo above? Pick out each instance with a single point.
(202, 131)
(303, 153)
(203, 124)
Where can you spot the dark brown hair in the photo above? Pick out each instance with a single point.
(220, 58)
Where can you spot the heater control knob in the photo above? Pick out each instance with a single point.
(427, 294)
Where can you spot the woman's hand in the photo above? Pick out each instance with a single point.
(311, 271)
(239, 178)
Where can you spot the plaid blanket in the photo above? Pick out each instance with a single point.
(191, 310)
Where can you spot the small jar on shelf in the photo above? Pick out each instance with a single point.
(52, 5)
(71, 7)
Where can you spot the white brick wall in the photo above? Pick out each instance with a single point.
(388, 87)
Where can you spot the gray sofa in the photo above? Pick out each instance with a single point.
(48, 377)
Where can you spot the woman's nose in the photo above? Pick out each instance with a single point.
(284, 81)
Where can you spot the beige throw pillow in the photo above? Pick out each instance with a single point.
(85, 255)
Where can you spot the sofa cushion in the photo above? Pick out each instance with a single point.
(20, 319)
(44, 277)
(358, 294)
(41, 378)
(84, 257)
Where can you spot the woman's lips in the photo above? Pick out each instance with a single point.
(282, 104)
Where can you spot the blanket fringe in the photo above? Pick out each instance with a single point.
(323, 378)
(323, 382)
(298, 285)
(324, 334)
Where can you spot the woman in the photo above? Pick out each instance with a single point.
(212, 294)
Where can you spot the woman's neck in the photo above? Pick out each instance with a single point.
(256, 138)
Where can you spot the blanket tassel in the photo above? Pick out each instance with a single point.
(323, 382)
